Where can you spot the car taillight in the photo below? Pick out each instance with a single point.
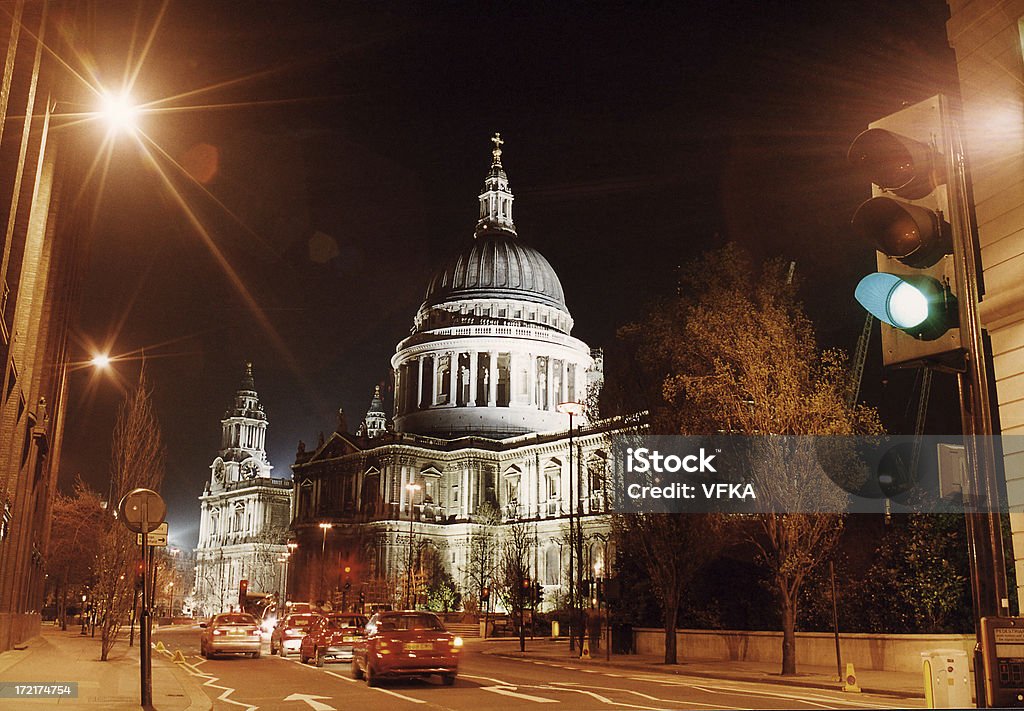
(255, 631)
(293, 631)
(216, 631)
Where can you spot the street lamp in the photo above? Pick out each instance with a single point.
(292, 546)
(573, 409)
(118, 111)
(325, 527)
(412, 489)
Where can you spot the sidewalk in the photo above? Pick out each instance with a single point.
(899, 684)
(57, 656)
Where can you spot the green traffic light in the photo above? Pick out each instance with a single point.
(918, 305)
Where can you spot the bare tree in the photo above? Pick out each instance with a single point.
(482, 558)
(137, 461)
(78, 524)
(512, 576)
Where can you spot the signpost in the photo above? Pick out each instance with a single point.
(143, 511)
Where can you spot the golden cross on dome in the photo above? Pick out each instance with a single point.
(496, 140)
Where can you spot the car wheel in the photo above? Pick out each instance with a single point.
(303, 658)
(357, 672)
(273, 649)
(371, 678)
(202, 651)
(448, 679)
(256, 655)
(318, 658)
(282, 652)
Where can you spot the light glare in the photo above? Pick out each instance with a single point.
(907, 307)
(101, 361)
(119, 111)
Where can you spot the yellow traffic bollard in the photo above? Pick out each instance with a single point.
(850, 681)
(585, 654)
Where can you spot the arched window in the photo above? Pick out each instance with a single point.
(238, 521)
(552, 565)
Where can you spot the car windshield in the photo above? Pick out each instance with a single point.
(235, 620)
(410, 622)
(346, 622)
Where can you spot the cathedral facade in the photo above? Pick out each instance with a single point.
(478, 440)
(243, 525)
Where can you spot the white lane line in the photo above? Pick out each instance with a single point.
(499, 682)
(526, 697)
(383, 691)
(606, 700)
(652, 698)
(193, 669)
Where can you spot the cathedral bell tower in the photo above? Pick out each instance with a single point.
(242, 453)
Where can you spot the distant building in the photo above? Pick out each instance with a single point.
(395, 512)
(245, 512)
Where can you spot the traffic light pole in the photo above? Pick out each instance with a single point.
(984, 528)
(145, 629)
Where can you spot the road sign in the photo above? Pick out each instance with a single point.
(142, 503)
(155, 538)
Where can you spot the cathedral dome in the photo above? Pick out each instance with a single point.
(497, 265)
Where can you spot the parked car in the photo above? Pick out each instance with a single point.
(331, 637)
(401, 644)
(230, 633)
(288, 632)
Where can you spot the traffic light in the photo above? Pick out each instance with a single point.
(525, 589)
(485, 594)
(916, 219)
(243, 591)
(362, 599)
(538, 594)
(140, 574)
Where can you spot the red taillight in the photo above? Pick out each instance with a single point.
(294, 632)
(255, 631)
(216, 631)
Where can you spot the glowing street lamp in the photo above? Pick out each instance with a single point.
(100, 361)
(119, 112)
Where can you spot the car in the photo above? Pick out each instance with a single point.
(230, 633)
(332, 637)
(288, 632)
(406, 644)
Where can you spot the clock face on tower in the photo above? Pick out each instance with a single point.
(218, 472)
(249, 470)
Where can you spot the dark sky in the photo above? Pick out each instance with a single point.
(342, 146)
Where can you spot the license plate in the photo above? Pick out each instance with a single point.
(236, 632)
(349, 639)
(415, 646)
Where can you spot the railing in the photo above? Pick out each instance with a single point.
(483, 331)
(259, 481)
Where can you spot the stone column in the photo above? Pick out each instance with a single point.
(492, 384)
(472, 378)
(419, 384)
(550, 385)
(464, 504)
(564, 386)
(532, 386)
(453, 379)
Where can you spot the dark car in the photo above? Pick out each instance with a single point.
(230, 633)
(403, 644)
(288, 633)
(332, 637)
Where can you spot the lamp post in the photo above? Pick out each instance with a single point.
(412, 489)
(292, 546)
(573, 409)
(325, 527)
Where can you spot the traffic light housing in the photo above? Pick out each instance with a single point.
(538, 594)
(915, 219)
(140, 575)
(243, 592)
(485, 594)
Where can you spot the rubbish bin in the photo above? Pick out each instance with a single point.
(622, 638)
(946, 679)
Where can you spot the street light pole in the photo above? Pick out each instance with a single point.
(325, 527)
(575, 546)
(412, 489)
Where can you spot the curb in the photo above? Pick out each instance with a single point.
(724, 676)
(197, 699)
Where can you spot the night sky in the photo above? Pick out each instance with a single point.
(336, 150)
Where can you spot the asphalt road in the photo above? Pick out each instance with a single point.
(485, 681)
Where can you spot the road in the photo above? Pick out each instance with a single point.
(486, 681)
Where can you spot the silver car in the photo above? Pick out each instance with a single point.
(231, 633)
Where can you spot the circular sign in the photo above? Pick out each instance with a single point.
(139, 504)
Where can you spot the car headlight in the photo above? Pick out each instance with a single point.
(457, 642)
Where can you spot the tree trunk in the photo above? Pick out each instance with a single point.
(671, 615)
(522, 631)
(788, 635)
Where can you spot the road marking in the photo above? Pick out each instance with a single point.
(226, 691)
(505, 691)
(312, 701)
(652, 698)
(606, 700)
(377, 688)
(499, 682)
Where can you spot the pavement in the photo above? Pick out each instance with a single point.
(905, 685)
(58, 656)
